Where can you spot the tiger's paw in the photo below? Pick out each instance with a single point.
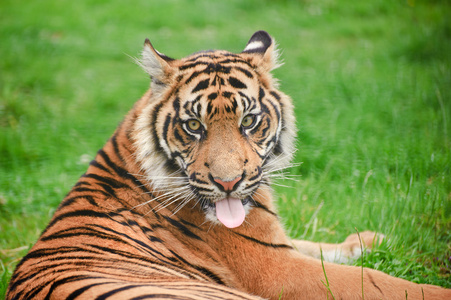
(355, 243)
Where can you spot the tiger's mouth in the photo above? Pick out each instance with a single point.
(229, 211)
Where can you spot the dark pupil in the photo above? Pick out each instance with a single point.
(194, 125)
(247, 121)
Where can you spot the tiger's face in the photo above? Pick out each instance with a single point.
(214, 128)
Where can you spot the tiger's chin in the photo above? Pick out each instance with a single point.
(230, 212)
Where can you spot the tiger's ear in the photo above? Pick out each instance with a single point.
(157, 65)
(264, 55)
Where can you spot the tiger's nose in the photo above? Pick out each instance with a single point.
(227, 186)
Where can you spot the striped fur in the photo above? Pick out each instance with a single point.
(141, 223)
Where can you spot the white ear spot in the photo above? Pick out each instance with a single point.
(254, 45)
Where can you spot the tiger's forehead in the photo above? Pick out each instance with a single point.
(220, 58)
(216, 81)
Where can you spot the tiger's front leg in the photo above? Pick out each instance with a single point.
(267, 266)
(273, 271)
(344, 252)
(294, 276)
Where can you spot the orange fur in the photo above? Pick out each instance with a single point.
(140, 223)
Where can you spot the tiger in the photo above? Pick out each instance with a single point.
(178, 203)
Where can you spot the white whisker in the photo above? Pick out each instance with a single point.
(175, 192)
(282, 185)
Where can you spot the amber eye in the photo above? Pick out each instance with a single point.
(248, 121)
(193, 125)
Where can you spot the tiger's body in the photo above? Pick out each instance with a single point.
(177, 204)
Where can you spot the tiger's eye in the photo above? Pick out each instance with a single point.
(193, 125)
(248, 121)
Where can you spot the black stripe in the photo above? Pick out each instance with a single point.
(172, 165)
(163, 264)
(235, 61)
(206, 290)
(257, 128)
(71, 200)
(182, 228)
(246, 72)
(226, 94)
(278, 147)
(261, 94)
(63, 281)
(374, 283)
(115, 291)
(40, 253)
(153, 131)
(180, 137)
(197, 105)
(212, 96)
(198, 188)
(80, 291)
(124, 254)
(166, 128)
(213, 83)
(259, 171)
(231, 59)
(193, 76)
(122, 172)
(74, 214)
(81, 231)
(234, 104)
(50, 269)
(236, 83)
(176, 105)
(210, 274)
(105, 260)
(252, 185)
(174, 155)
(179, 78)
(265, 130)
(81, 183)
(253, 104)
(163, 296)
(216, 68)
(68, 201)
(275, 95)
(108, 180)
(108, 189)
(201, 86)
(193, 65)
(276, 109)
(147, 247)
(15, 282)
(118, 170)
(96, 164)
(209, 108)
(193, 177)
(116, 148)
(189, 224)
(203, 270)
(81, 190)
(245, 101)
(262, 206)
(263, 243)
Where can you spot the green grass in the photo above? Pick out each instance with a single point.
(371, 81)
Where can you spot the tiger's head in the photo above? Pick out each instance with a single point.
(214, 127)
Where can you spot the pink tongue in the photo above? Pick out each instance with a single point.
(230, 211)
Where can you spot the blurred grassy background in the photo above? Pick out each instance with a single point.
(371, 81)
